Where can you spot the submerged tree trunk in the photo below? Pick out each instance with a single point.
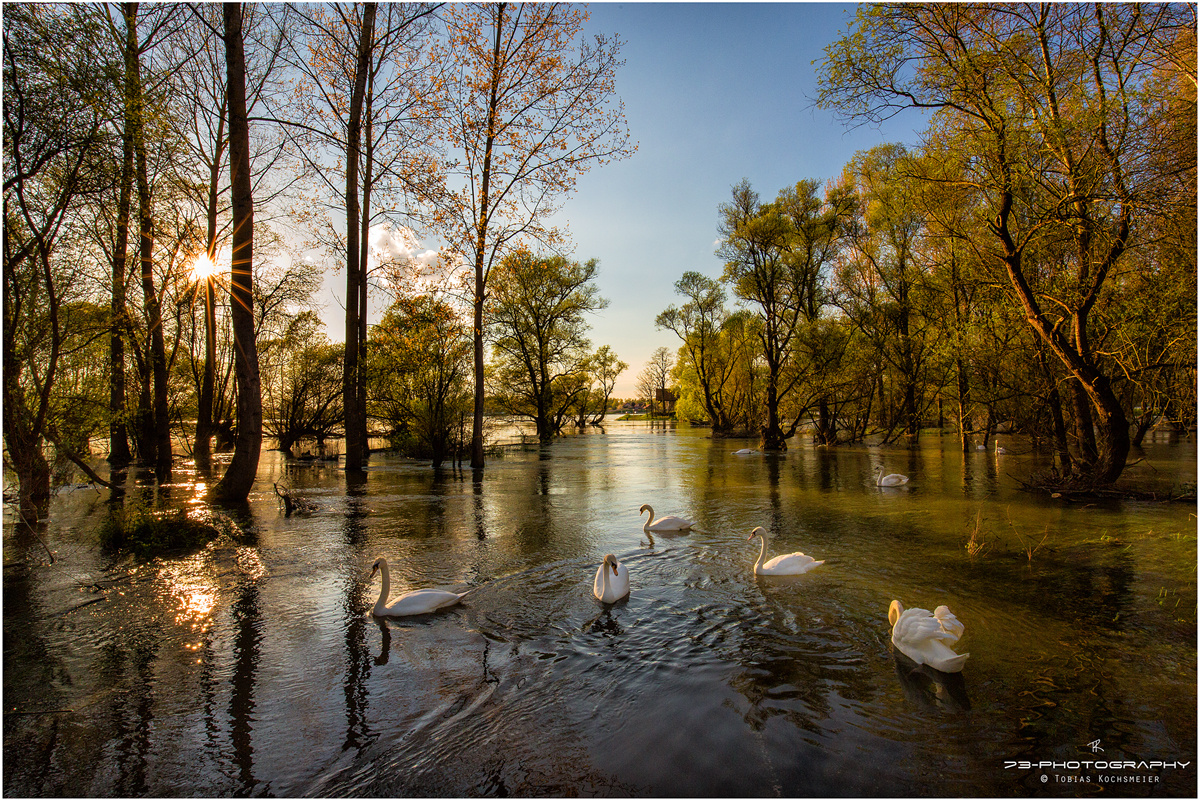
(352, 369)
(158, 441)
(239, 477)
(204, 417)
(118, 430)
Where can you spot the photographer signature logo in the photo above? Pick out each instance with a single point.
(1102, 771)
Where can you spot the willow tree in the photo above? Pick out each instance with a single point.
(542, 355)
(54, 146)
(1046, 107)
(530, 107)
(698, 323)
(774, 256)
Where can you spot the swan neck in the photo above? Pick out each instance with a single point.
(386, 585)
(604, 580)
(762, 554)
(650, 510)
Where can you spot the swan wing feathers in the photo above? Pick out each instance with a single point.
(419, 602)
(949, 623)
(921, 637)
(917, 628)
(670, 523)
(797, 562)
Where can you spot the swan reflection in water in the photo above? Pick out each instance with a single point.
(385, 641)
(604, 623)
(931, 689)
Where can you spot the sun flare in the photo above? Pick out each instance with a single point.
(203, 267)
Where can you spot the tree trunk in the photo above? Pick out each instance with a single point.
(239, 477)
(364, 249)
(204, 417)
(118, 432)
(1110, 420)
(352, 371)
(964, 389)
(481, 241)
(826, 425)
(159, 425)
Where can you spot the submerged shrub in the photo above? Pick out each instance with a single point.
(145, 534)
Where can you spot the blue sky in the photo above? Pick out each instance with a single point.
(714, 93)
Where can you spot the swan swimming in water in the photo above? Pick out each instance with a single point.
(745, 452)
(417, 602)
(611, 588)
(925, 638)
(789, 564)
(890, 480)
(668, 523)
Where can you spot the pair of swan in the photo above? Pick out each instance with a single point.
(610, 588)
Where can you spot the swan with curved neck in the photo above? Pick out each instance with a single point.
(925, 638)
(417, 602)
(790, 564)
(890, 480)
(668, 523)
(614, 587)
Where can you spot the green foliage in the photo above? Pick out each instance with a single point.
(146, 534)
(417, 367)
(537, 321)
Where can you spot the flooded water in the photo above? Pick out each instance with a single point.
(255, 668)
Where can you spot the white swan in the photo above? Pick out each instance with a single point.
(890, 480)
(417, 602)
(1000, 448)
(609, 589)
(790, 564)
(668, 523)
(745, 452)
(925, 638)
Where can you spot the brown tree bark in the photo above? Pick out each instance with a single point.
(355, 278)
(239, 477)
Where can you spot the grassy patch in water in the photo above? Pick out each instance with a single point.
(147, 534)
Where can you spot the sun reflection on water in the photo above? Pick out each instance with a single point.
(190, 584)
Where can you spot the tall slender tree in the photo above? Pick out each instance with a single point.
(530, 108)
(365, 97)
(239, 476)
